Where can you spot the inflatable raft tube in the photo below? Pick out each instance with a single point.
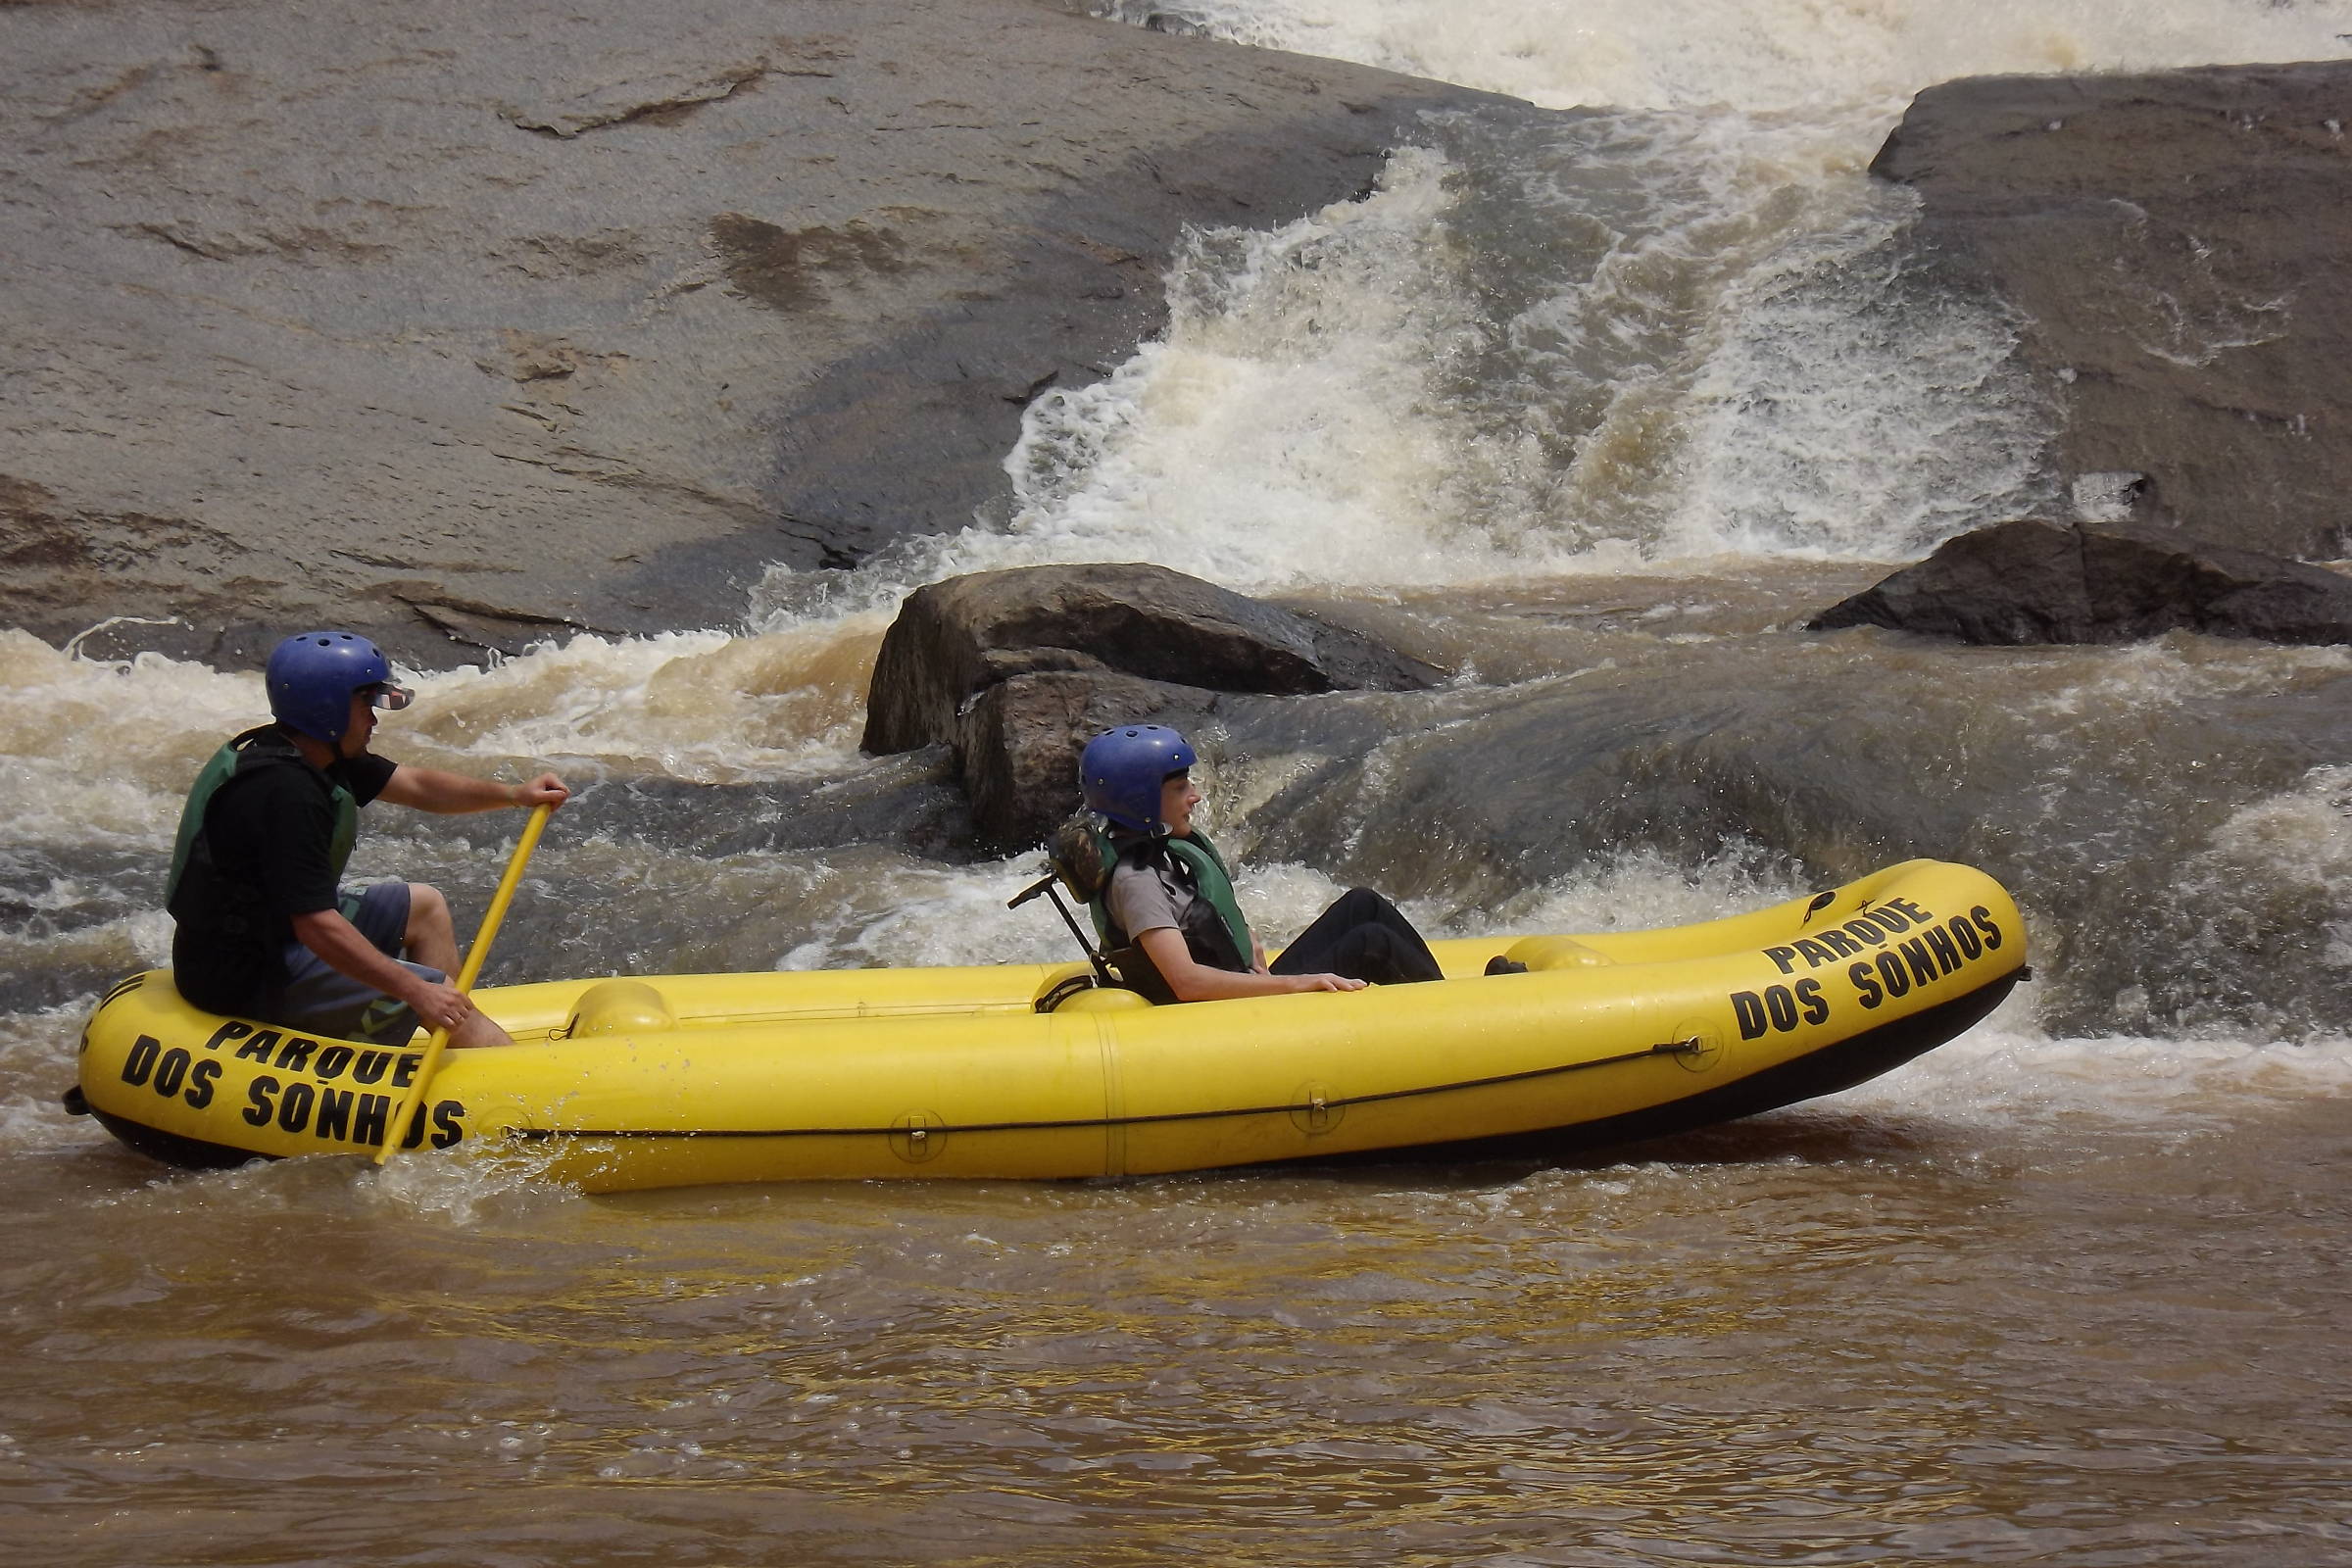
(625, 1084)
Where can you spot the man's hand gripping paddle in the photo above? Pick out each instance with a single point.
(396, 1130)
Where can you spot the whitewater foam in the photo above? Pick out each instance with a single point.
(1758, 55)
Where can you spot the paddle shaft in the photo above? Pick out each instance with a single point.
(396, 1130)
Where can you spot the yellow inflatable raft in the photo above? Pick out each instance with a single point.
(928, 1073)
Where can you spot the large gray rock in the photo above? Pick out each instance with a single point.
(465, 323)
(2177, 248)
(1014, 669)
(2043, 582)
(952, 640)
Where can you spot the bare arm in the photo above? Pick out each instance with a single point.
(1198, 981)
(433, 789)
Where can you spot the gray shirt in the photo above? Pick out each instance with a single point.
(1147, 898)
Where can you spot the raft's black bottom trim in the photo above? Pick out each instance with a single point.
(188, 1153)
(1826, 1071)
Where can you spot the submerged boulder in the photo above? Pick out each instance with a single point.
(2046, 582)
(1014, 669)
(1017, 746)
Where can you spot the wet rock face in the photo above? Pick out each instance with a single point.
(1015, 670)
(2178, 251)
(467, 324)
(2042, 582)
(954, 640)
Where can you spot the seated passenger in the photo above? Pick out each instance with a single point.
(1170, 897)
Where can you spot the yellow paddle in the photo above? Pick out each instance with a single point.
(397, 1128)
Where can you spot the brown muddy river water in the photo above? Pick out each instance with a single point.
(2026, 1301)
(2064, 1296)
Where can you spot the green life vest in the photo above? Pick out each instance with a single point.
(254, 749)
(1211, 884)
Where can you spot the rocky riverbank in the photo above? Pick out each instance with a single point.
(471, 327)
(2173, 249)
(468, 326)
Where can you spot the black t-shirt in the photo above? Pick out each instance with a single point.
(271, 830)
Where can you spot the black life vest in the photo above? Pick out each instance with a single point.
(198, 890)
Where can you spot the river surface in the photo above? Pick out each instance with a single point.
(1597, 413)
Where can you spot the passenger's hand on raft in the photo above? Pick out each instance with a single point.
(1326, 981)
(441, 1006)
(545, 790)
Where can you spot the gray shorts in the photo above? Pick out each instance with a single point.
(321, 1000)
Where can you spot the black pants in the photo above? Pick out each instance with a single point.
(1363, 937)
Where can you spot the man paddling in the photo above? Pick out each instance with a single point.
(264, 930)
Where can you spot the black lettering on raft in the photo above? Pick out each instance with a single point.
(442, 1117)
(295, 1056)
(173, 1071)
(1866, 930)
(138, 1063)
(260, 1048)
(334, 1060)
(342, 1115)
(1947, 951)
(1972, 946)
(1984, 923)
(1890, 970)
(371, 1064)
(1778, 1007)
(148, 1064)
(231, 1030)
(1865, 984)
(1873, 928)
(1748, 1009)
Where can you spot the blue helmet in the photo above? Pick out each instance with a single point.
(1122, 770)
(310, 678)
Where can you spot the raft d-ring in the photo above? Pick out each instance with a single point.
(1312, 1111)
(917, 1136)
(1696, 1045)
